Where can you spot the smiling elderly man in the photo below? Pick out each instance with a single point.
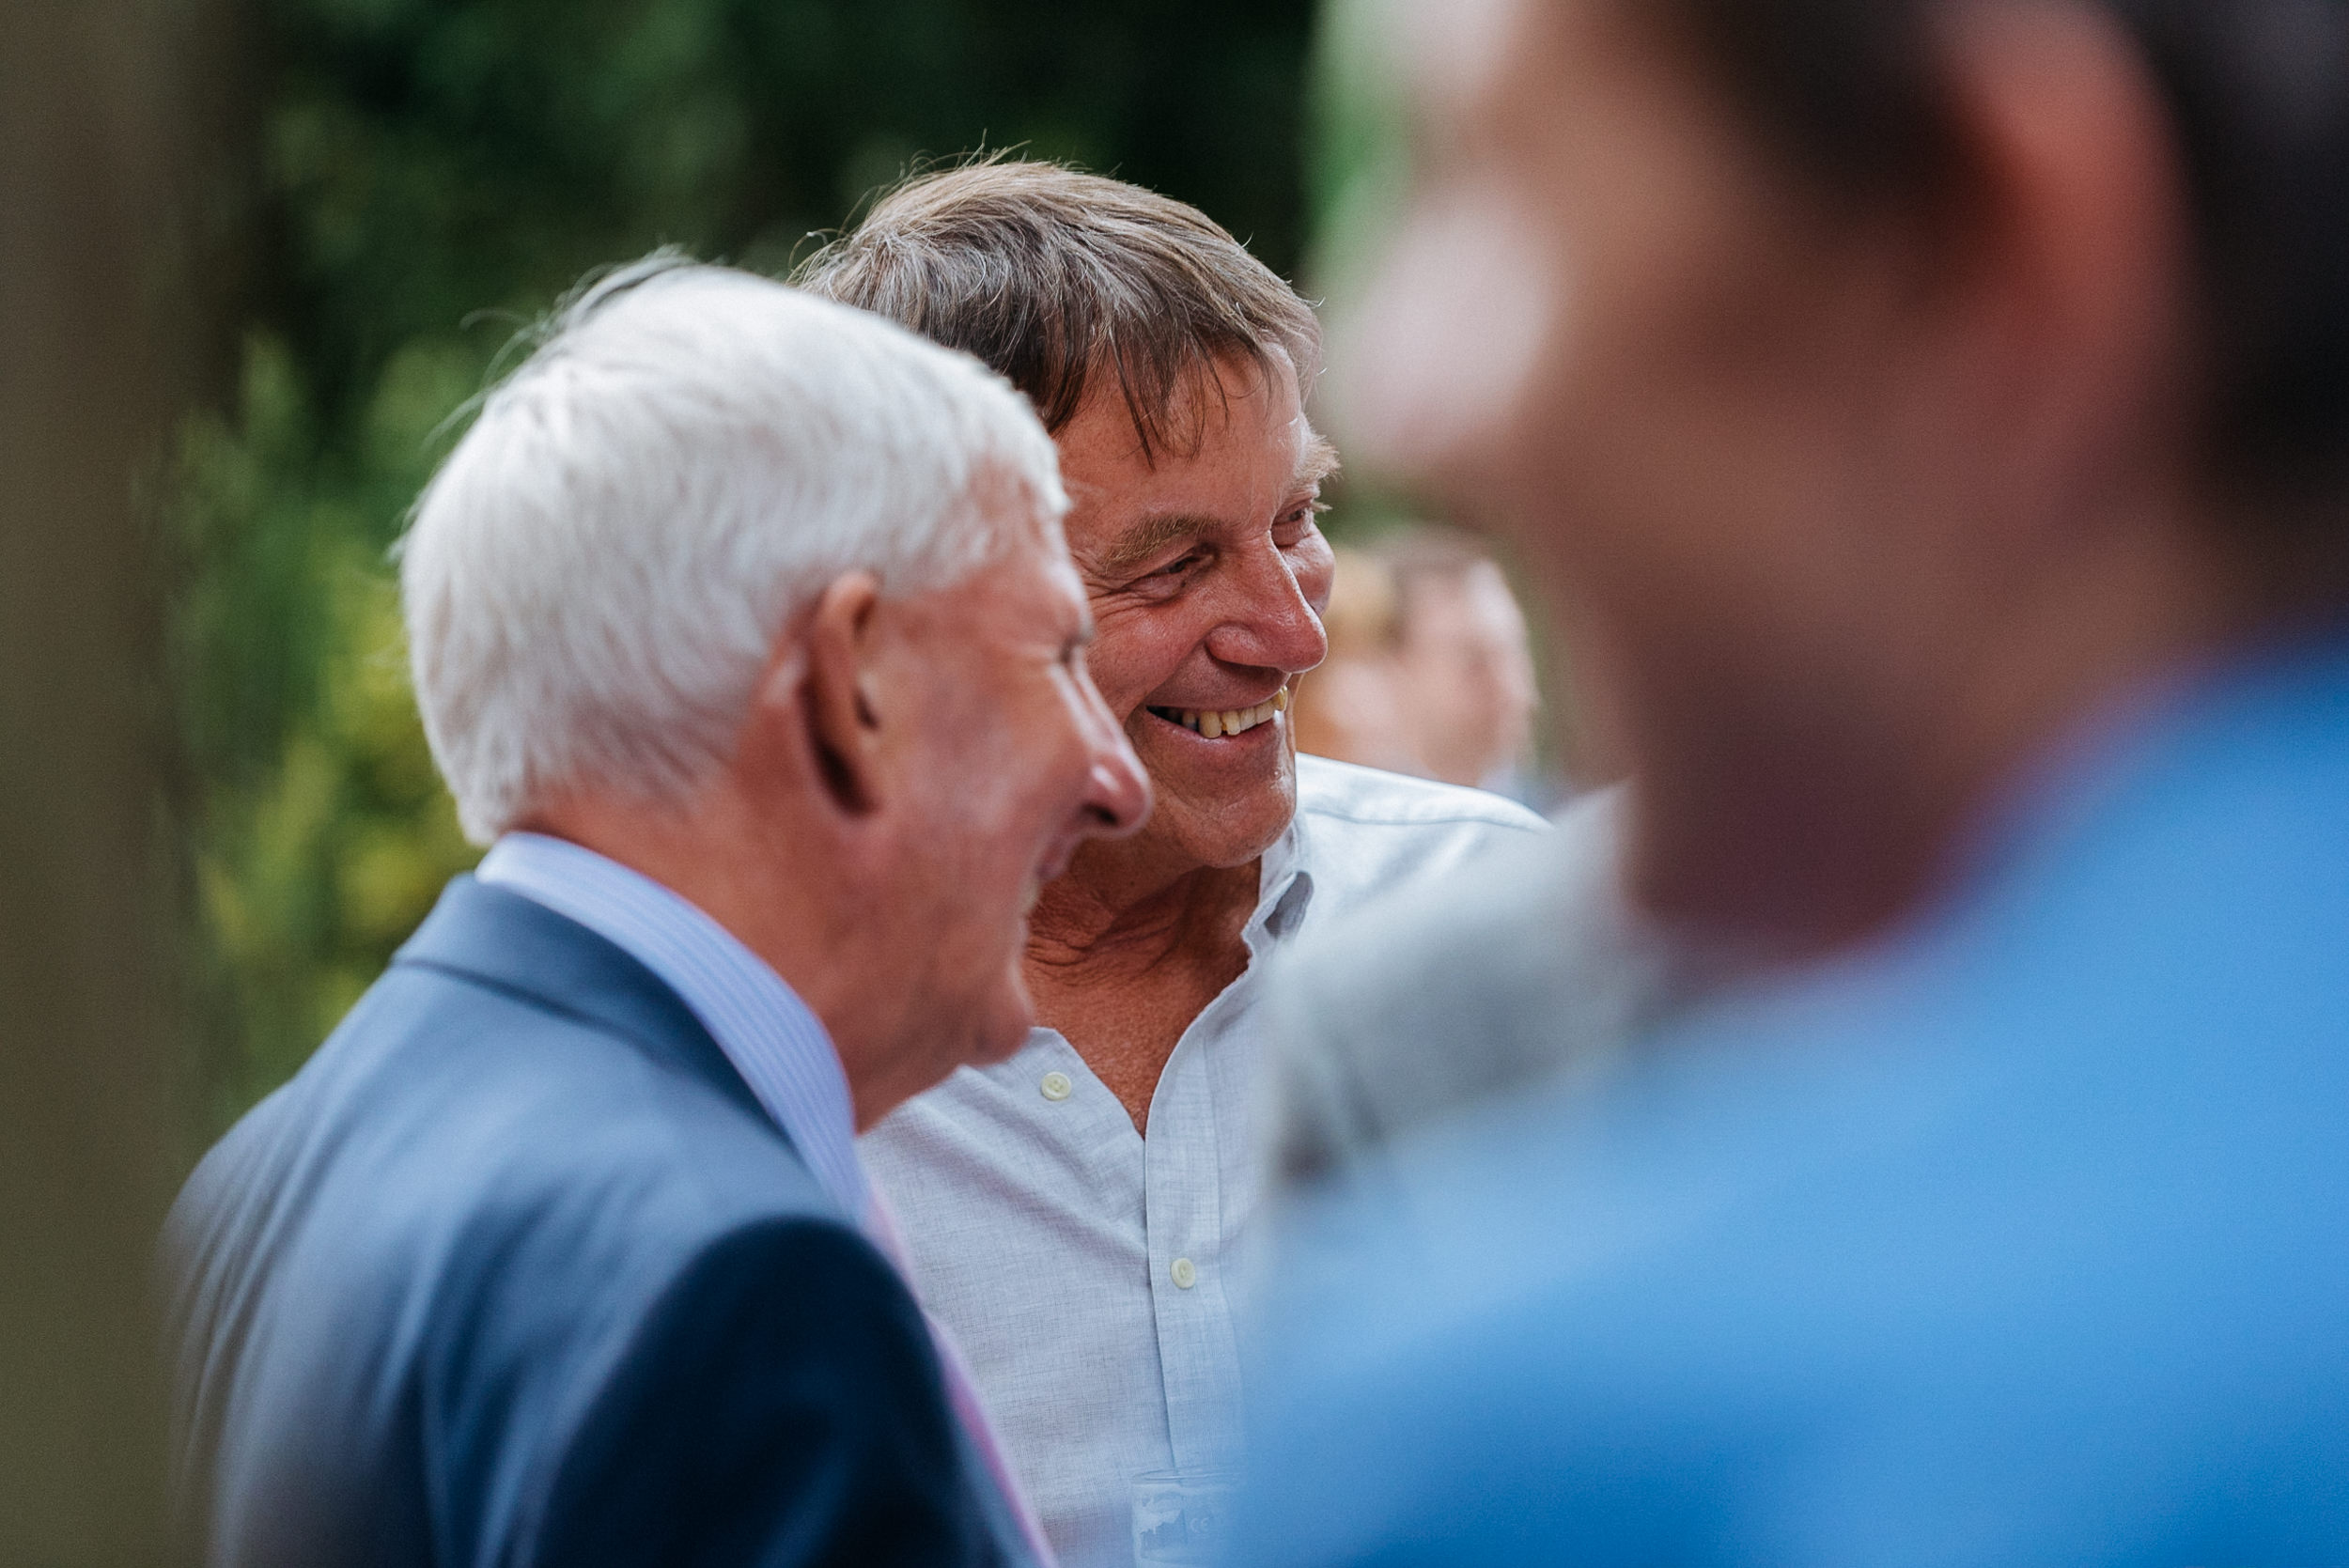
(744, 633)
(1072, 1212)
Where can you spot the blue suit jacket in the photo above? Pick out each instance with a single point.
(517, 1271)
(2022, 1241)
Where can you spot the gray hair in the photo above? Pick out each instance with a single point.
(595, 578)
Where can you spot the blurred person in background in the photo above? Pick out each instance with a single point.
(1931, 417)
(1074, 1213)
(1464, 681)
(1348, 709)
(1430, 671)
(744, 633)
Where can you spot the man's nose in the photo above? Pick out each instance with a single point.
(1269, 624)
(1117, 791)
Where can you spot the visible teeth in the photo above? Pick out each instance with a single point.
(1217, 723)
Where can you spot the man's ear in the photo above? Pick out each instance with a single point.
(2081, 190)
(843, 707)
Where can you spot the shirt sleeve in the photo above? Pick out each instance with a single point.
(781, 1405)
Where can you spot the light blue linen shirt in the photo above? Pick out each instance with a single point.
(782, 1049)
(1087, 1272)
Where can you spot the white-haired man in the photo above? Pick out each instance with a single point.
(744, 633)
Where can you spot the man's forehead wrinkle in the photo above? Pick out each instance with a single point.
(1166, 405)
(1197, 398)
(1082, 491)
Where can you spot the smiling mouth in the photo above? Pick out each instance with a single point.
(1216, 725)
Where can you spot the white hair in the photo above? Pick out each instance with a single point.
(597, 577)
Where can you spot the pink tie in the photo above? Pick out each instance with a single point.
(964, 1394)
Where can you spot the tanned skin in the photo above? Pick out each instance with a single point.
(1206, 573)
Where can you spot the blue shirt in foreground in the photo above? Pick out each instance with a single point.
(2022, 1240)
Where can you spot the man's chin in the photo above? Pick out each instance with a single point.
(1225, 832)
(1006, 1020)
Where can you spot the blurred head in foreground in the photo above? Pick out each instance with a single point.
(1930, 416)
(1878, 385)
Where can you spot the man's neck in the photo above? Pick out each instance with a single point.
(1104, 919)
(804, 922)
(1820, 851)
(1120, 964)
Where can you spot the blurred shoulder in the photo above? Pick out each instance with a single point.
(1511, 866)
(1524, 964)
(1362, 831)
(1371, 796)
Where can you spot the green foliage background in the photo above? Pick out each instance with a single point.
(432, 174)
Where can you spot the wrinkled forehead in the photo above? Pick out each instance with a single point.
(1211, 395)
(1228, 401)
(1255, 456)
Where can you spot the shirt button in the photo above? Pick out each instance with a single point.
(1186, 1273)
(1056, 1086)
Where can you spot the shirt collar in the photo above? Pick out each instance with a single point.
(1285, 885)
(780, 1048)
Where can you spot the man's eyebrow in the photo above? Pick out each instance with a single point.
(1316, 463)
(1149, 538)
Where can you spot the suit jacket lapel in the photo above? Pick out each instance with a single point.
(501, 938)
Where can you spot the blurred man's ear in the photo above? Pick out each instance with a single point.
(2077, 256)
(841, 701)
